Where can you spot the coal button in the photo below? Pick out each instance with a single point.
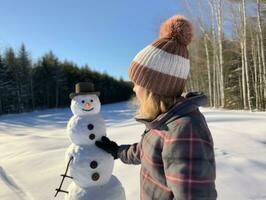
(95, 176)
(93, 164)
(90, 126)
(92, 136)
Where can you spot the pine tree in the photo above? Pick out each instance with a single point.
(24, 67)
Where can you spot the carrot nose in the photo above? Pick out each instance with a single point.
(88, 105)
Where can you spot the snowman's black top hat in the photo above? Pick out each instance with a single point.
(83, 88)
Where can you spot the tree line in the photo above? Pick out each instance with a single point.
(47, 83)
(228, 52)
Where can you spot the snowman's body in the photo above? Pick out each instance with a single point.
(85, 130)
(91, 167)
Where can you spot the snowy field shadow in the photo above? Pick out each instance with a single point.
(11, 183)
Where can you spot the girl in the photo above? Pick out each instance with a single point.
(176, 149)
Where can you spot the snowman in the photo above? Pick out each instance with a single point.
(90, 168)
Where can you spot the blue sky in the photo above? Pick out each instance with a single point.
(106, 35)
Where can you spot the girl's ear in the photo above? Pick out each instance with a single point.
(134, 87)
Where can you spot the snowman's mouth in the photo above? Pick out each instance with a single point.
(87, 109)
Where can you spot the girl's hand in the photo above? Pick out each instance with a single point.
(107, 145)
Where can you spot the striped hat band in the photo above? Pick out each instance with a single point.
(161, 69)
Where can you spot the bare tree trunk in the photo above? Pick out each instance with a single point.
(262, 55)
(245, 52)
(244, 94)
(218, 80)
(220, 31)
(254, 56)
(245, 77)
(260, 82)
(209, 70)
(192, 88)
(214, 64)
(215, 98)
(244, 47)
(241, 91)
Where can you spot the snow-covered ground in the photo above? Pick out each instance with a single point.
(32, 148)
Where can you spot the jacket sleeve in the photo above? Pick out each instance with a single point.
(129, 154)
(189, 164)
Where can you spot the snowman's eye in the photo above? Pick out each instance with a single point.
(82, 101)
(91, 100)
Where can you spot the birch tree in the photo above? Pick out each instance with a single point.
(214, 56)
(218, 12)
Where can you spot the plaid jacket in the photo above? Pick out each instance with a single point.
(176, 154)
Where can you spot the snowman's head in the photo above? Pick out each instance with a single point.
(85, 105)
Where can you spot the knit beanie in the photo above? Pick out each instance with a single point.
(163, 66)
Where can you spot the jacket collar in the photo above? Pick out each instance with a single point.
(185, 104)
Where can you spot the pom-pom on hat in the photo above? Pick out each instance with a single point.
(163, 66)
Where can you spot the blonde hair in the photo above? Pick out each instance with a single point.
(153, 105)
